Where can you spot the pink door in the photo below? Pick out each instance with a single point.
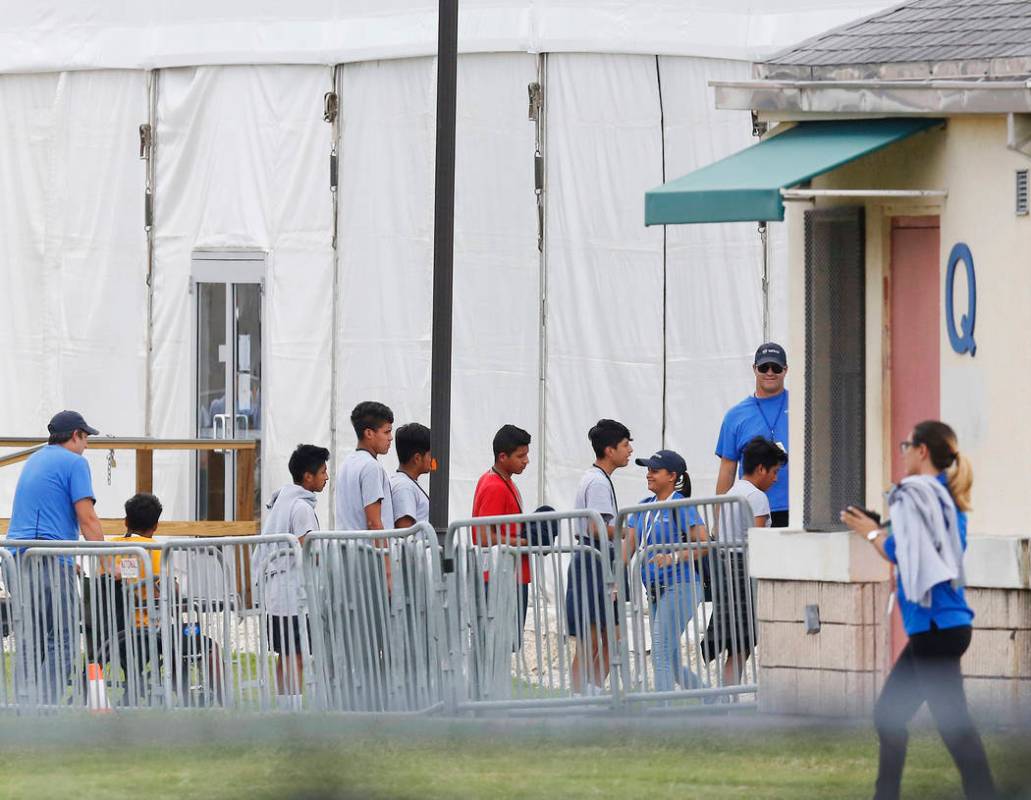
(915, 346)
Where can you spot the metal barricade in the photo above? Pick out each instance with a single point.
(234, 623)
(691, 603)
(522, 588)
(377, 619)
(536, 613)
(10, 618)
(82, 628)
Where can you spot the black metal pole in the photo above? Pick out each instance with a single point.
(443, 262)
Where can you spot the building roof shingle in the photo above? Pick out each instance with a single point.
(930, 31)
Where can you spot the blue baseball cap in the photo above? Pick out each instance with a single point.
(664, 459)
(69, 422)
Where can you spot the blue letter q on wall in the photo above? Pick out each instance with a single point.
(962, 340)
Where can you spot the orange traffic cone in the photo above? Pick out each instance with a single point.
(96, 697)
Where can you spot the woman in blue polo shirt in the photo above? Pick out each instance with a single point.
(670, 575)
(925, 541)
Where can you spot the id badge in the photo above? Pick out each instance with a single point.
(130, 567)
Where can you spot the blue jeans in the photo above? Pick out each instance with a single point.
(50, 644)
(669, 617)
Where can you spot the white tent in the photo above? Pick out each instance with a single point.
(655, 328)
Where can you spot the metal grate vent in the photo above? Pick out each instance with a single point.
(1022, 200)
(835, 365)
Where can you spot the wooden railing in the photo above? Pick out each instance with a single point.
(246, 461)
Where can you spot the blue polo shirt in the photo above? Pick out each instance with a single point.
(52, 481)
(665, 526)
(753, 417)
(949, 607)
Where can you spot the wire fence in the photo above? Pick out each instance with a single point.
(536, 613)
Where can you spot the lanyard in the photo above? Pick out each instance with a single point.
(651, 519)
(511, 489)
(776, 419)
(413, 480)
(661, 517)
(615, 502)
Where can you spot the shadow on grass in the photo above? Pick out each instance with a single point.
(320, 756)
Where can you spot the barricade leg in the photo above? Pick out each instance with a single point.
(588, 599)
(48, 652)
(670, 615)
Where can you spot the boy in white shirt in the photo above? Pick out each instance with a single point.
(761, 461)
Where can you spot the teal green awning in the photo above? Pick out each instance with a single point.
(745, 187)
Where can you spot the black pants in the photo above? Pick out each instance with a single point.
(928, 671)
(779, 519)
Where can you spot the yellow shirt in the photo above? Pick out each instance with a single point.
(132, 572)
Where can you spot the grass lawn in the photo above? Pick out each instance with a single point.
(216, 756)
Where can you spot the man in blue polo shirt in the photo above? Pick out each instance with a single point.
(54, 500)
(764, 413)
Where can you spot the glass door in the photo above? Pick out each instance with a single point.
(228, 378)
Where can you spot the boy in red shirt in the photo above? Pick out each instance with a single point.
(497, 495)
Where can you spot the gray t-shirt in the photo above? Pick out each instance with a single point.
(408, 498)
(361, 481)
(596, 493)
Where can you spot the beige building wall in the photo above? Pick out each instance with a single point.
(987, 397)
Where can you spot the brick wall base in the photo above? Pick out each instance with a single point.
(839, 670)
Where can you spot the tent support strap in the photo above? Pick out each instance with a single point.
(148, 148)
(540, 190)
(335, 308)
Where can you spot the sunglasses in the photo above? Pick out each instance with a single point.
(906, 445)
(776, 369)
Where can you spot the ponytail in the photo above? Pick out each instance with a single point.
(683, 485)
(943, 448)
(960, 477)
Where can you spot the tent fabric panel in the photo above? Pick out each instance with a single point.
(385, 222)
(497, 310)
(72, 266)
(604, 270)
(385, 242)
(241, 164)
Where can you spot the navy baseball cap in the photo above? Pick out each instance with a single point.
(68, 422)
(664, 459)
(770, 353)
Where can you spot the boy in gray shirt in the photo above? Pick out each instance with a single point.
(586, 596)
(363, 503)
(410, 501)
(278, 580)
(363, 500)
